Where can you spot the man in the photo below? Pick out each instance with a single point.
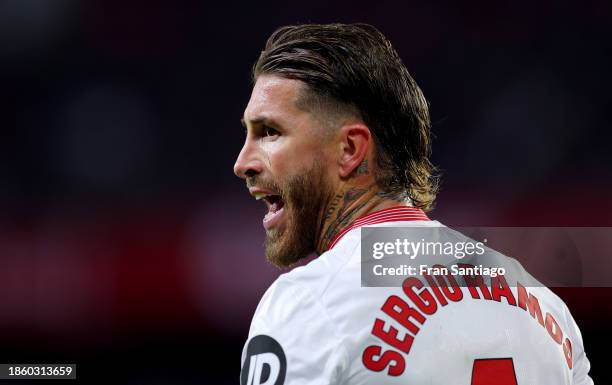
(338, 138)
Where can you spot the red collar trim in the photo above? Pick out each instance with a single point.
(391, 214)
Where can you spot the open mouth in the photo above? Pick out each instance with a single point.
(275, 212)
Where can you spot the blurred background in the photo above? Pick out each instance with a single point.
(127, 245)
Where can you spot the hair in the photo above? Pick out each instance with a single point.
(355, 68)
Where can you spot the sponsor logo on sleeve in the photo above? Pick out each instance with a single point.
(265, 362)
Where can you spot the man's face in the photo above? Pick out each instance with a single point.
(287, 162)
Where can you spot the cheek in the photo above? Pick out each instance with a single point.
(278, 158)
(285, 157)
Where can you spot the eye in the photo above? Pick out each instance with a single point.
(271, 132)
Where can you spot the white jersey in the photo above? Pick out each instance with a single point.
(317, 325)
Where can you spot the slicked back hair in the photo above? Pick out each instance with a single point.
(355, 67)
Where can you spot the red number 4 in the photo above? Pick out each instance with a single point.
(493, 371)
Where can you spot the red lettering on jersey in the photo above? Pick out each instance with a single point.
(390, 336)
(527, 300)
(499, 288)
(423, 300)
(373, 360)
(498, 371)
(557, 333)
(473, 281)
(567, 352)
(436, 290)
(400, 311)
(454, 295)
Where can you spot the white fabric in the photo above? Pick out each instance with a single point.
(323, 320)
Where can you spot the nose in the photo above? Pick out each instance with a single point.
(248, 163)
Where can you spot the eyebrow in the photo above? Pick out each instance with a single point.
(259, 120)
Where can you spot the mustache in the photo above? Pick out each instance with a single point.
(256, 181)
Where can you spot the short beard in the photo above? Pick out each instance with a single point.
(304, 198)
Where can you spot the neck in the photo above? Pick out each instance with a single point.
(349, 203)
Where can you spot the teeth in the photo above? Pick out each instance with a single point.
(259, 196)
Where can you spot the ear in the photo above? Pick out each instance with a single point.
(354, 146)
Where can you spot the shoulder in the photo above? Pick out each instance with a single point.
(299, 292)
(293, 326)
